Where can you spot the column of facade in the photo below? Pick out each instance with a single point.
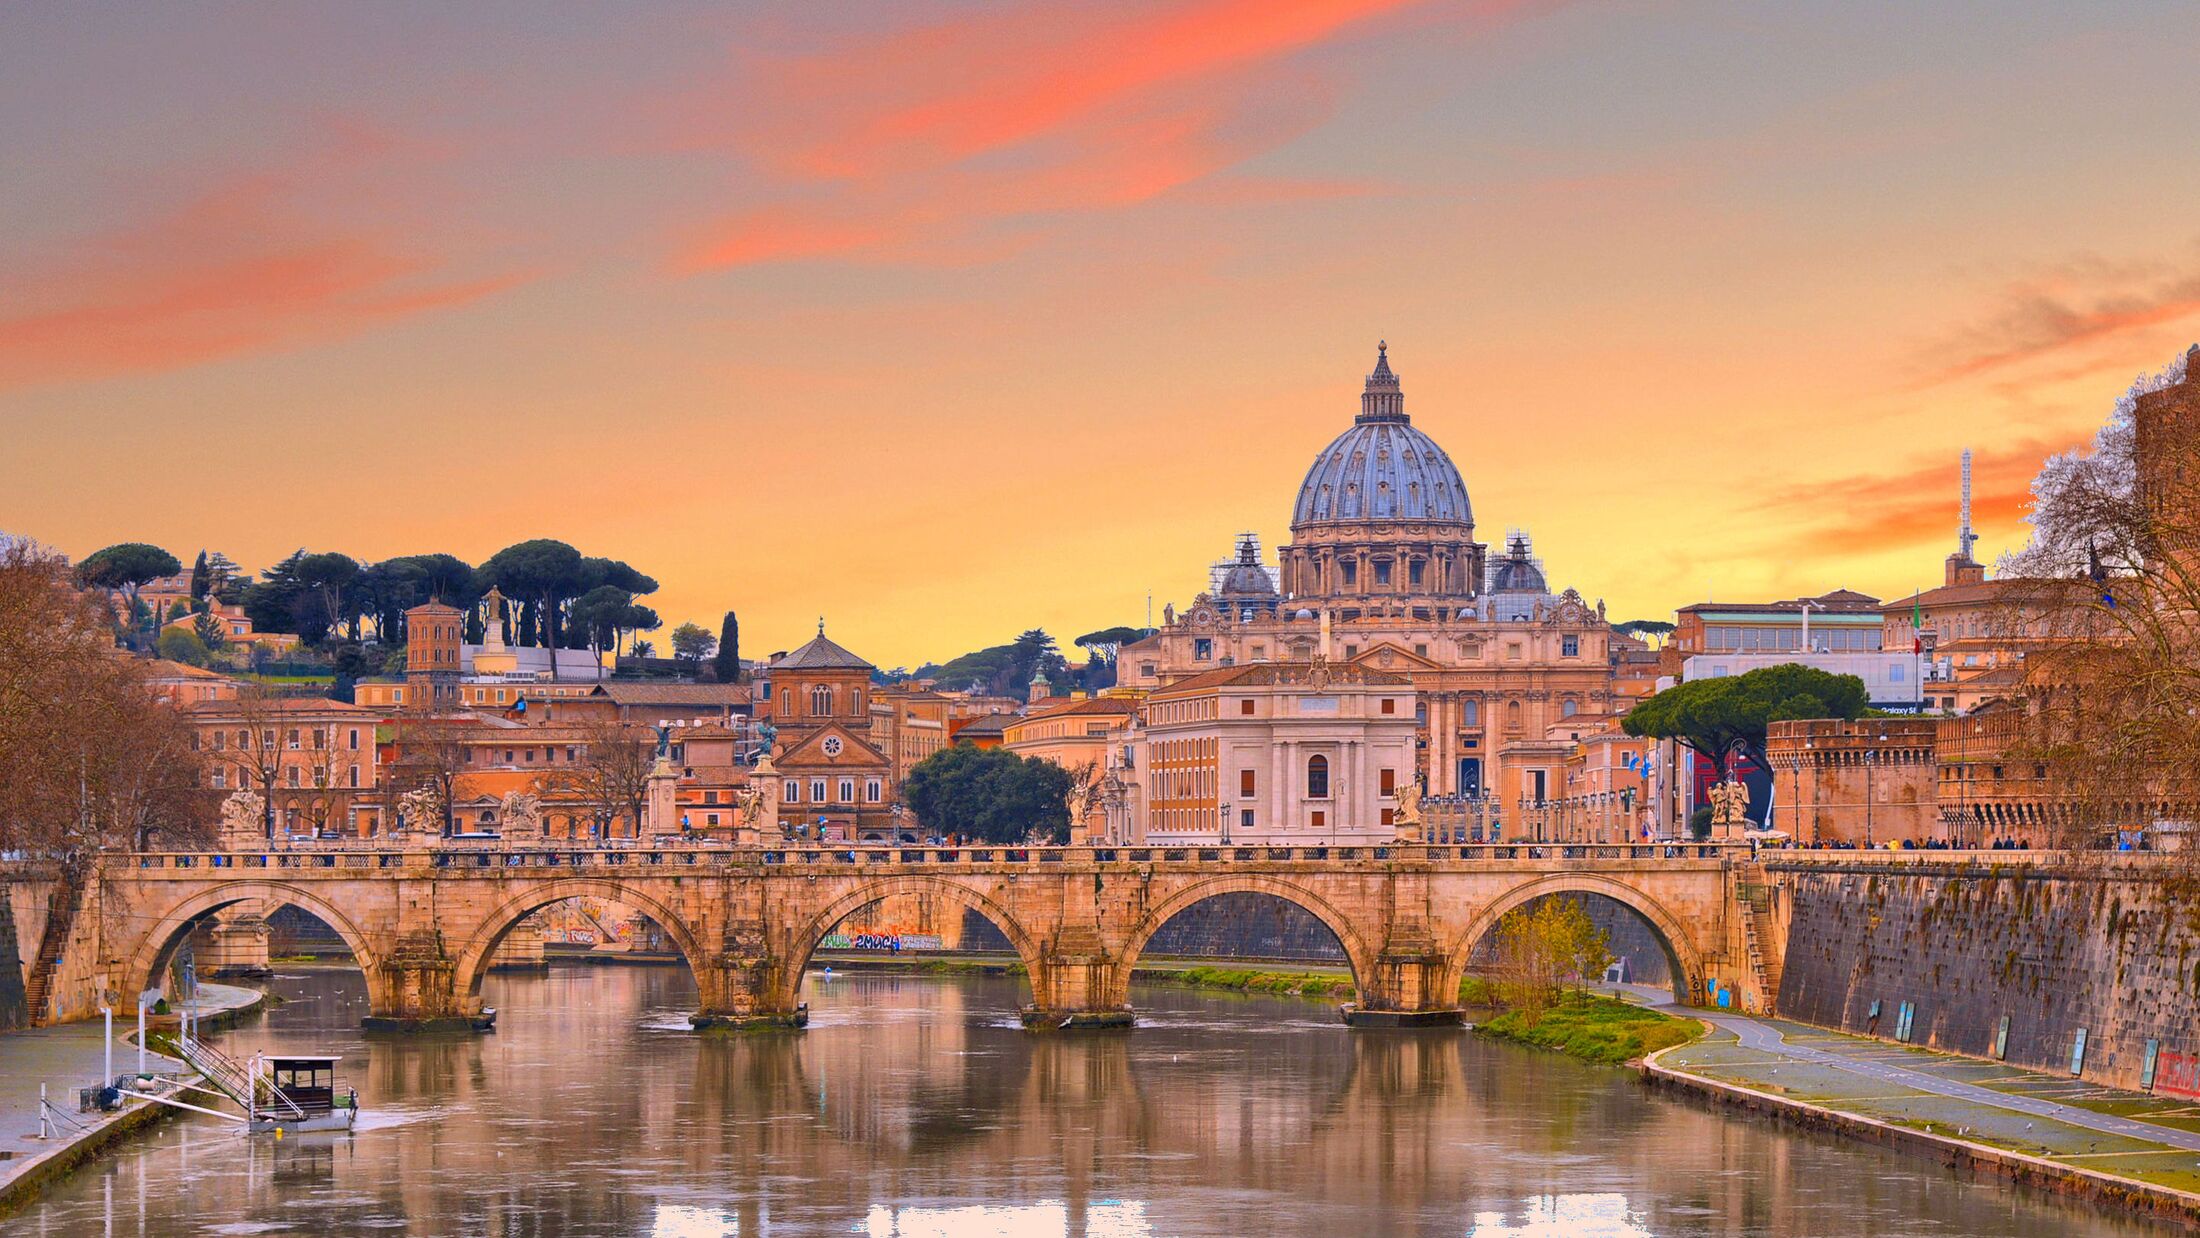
(1280, 769)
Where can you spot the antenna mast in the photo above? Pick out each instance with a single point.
(1965, 539)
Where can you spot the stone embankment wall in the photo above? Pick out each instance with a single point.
(23, 894)
(2104, 947)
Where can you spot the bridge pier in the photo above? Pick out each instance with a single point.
(1074, 988)
(1406, 986)
(236, 944)
(743, 990)
(414, 989)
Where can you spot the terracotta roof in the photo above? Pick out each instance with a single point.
(162, 668)
(821, 654)
(285, 705)
(1115, 705)
(1840, 601)
(986, 724)
(634, 693)
(1988, 591)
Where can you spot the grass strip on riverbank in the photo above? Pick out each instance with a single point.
(1593, 1028)
(1249, 980)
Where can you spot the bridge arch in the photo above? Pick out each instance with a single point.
(150, 956)
(474, 958)
(1668, 930)
(1359, 955)
(813, 931)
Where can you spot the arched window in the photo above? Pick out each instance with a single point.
(1317, 777)
(1569, 708)
(821, 701)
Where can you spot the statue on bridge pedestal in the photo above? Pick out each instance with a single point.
(1408, 815)
(1729, 806)
(244, 817)
(522, 817)
(420, 811)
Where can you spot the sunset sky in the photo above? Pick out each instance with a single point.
(947, 320)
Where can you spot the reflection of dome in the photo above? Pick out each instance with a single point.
(1382, 468)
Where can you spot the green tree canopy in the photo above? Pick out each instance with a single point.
(1719, 718)
(1644, 627)
(126, 566)
(544, 571)
(600, 614)
(990, 794)
(728, 662)
(183, 645)
(1108, 641)
(692, 642)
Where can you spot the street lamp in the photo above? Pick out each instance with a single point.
(1795, 762)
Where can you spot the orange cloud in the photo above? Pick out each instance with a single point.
(2083, 304)
(1909, 507)
(242, 268)
(925, 138)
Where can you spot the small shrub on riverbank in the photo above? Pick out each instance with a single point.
(1594, 1029)
(1246, 980)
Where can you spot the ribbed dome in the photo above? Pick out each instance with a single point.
(1382, 468)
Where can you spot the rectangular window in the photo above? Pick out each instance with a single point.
(292, 740)
(847, 790)
(1320, 818)
(1389, 816)
(1245, 784)
(355, 739)
(1416, 570)
(1245, 818)
(1382, 571)
(817, 790)
(792, 792)
(1569, 646)
(355, 775)
(874, 790)
(710, 818)
(1421, 649)
(1390, 706)
(291, 776)
(1203, 648)
(1245, 707)
(221, 776)
(1390, 784)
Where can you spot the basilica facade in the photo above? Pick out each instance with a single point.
(1383, 571)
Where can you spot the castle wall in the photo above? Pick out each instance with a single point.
(2107, 948)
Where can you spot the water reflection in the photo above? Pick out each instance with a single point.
(914, 1105)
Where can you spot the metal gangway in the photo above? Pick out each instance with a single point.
(221, 1076)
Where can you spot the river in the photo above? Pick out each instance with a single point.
(915, 1105)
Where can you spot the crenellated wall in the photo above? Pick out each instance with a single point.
(2050, 945)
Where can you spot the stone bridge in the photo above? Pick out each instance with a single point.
(425, 922)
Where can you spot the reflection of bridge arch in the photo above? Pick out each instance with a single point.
(1358, 955)
(479, 951)
(149, 958)
(1670, 933)
(814, 931)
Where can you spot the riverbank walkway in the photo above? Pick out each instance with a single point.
(64, 1058)
(2146, 1138)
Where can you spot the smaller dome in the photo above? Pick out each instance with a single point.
(1304, 613)
(1517, 572)
(1242, 580)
